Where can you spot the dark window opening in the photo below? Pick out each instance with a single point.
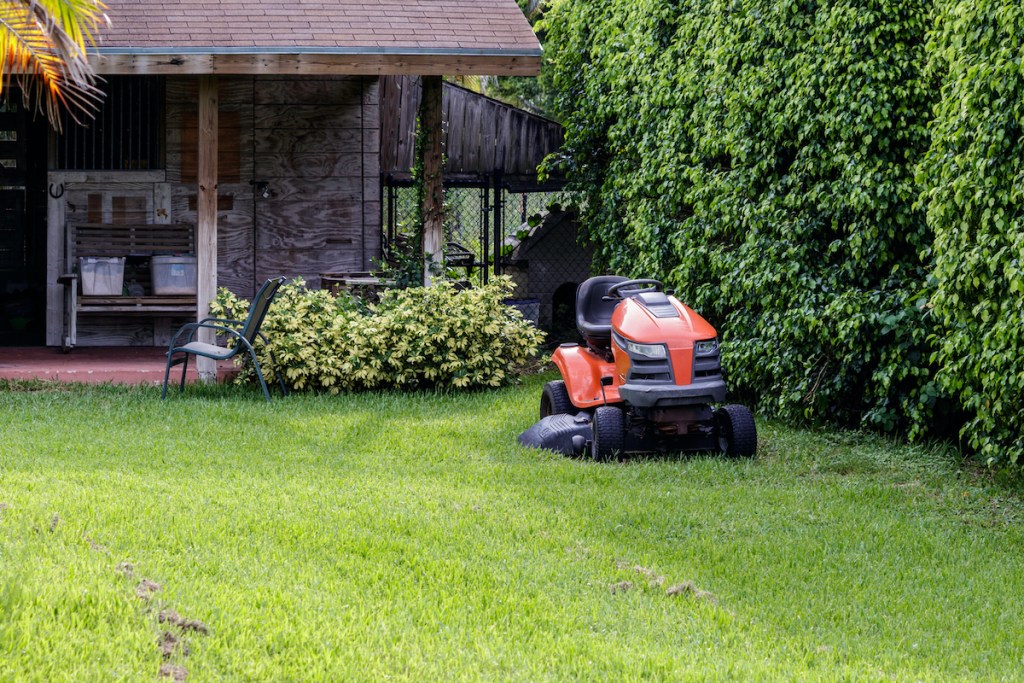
(126, 133)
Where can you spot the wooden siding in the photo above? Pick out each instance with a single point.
(305, 138)
(482, 135)
(234, 225)
(311, 137)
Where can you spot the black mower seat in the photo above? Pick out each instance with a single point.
(593, 313)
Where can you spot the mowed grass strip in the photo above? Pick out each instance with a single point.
(408, 537)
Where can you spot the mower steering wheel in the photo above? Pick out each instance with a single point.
(641, 286)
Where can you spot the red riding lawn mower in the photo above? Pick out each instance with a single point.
(645, 380)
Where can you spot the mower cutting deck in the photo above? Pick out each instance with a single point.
(645, 379)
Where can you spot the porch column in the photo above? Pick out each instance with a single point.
(206, 216)
(433, 185)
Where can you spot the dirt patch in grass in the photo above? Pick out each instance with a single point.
(689, 588)
(97, 547)
(176, 673)
(169, 616)
(173, 641)
(170, 644)
(146, 588)
(654, 580)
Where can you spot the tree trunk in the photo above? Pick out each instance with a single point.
(433, 186)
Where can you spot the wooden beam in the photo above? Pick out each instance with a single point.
(433, 183)
(317, 64)
(206, 215)
(56, 260)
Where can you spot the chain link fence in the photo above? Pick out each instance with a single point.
(466, 209)
(492, 231)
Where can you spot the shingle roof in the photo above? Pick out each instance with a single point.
(317, 26)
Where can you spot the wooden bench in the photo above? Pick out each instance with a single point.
(137, 243)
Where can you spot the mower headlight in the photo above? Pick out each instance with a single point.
(652, 351)
(707, 347)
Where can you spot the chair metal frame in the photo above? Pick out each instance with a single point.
(244, 334)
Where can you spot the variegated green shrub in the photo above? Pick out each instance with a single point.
(413, 338)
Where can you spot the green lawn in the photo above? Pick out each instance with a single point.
(408, 537)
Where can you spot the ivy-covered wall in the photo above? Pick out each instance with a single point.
(795, 168)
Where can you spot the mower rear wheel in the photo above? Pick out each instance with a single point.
(737, 433)
(609, 433)
(554, 400)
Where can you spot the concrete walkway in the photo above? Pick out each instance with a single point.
(95, 365)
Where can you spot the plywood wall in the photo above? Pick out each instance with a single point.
(235, 215)
(316, 149)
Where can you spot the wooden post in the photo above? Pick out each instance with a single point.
(206, 216)
(433, 183)
(56, 261)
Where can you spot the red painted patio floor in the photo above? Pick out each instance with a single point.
(94, 365)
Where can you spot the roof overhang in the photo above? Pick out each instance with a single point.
(316, 37)
(314, 61)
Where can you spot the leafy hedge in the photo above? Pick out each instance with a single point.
(973, 182)
(413, 338)
(763, 156)
(755, 154)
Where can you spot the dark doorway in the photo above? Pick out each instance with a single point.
(23, 156)
(563, 313)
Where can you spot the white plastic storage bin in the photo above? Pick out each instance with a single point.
(101, 275)
(173, 274)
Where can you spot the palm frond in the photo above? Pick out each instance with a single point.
(43, 45)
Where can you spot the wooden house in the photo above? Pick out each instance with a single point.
(250, 129)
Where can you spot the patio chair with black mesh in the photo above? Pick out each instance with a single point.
(242, 333)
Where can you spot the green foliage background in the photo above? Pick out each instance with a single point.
(973, 190)
(813, 176)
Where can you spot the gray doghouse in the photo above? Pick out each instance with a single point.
(548, 265)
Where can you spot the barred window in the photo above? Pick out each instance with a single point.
(126, 134)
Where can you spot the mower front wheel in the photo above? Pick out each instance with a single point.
(737, 433)
(609, 426)
(554, 400)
